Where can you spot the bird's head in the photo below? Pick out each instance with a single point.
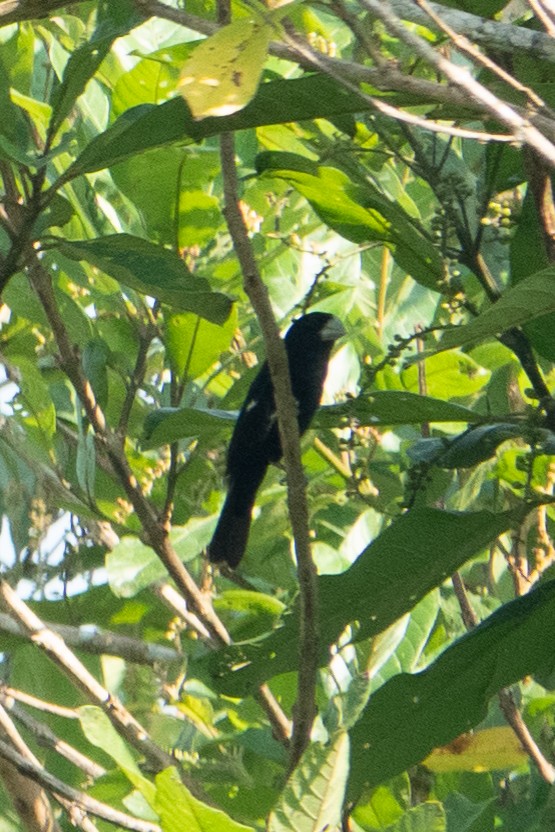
(316, 326)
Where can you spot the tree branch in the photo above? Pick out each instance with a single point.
(92, 639)
(47, 738)
(60, 789)
(506, 698)
(155, 535)
(305, 707)
(53, 645)
(520, 126)
(503, 37)
(14, 11)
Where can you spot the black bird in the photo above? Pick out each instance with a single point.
(255, 442)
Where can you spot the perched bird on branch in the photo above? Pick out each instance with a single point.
(255, 442)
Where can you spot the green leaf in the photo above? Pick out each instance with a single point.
(529, 255)
(246, 613)
(410, 715)
(114, 20)
(426, 817)
(529, 299)
(471, 447)
(148, 125)
(58, 213)
(86, 462)
(179, 810)
(35, 396)
(96, 354)
(222, 74)
(15, 139)
(132, 566)
(313, 797)
(151, 270)
(360, 213)
(451, 374)
(100, 732)
(405, 562)
(169, 424)
(194, 345)
(393, 407)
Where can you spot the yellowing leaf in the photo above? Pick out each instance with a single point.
(487, 750)
(222, 74)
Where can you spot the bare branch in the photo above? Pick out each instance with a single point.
(55, 648)
(92, 639)
(80, 799)
(503, 37)
(506, 698)
(47, 738)
(384, 77)
(14, 11)
(521, 127)
(154, 533)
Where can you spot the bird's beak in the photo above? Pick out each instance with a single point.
(332, 330)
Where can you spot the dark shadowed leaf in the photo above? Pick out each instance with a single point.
(412, 714)
(411, 557)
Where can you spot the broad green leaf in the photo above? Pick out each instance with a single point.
(465, 815)
(359, 213)
(151, 270)
(409, 559)
(451, 374)
(529, 255)
(179, 810)
(14, 130)
(58, 213)
(412, 714)
(96, 354)
(100, 732)
(114, 19)
(529, 299)
(247, 614)
(313, 797)
(194, 345)
(200, 217)
(222, 74)
(426, 817)
(393, 407)
(168, 424)
(178, 171)
(86, 463)
(384, 805)
(35, 396)
(276, 102)
(473, 446)
(132, 566)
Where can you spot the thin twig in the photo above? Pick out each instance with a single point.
(388, 77)
(543, 15)
(47, 738)
(462, 43)
(92, 639)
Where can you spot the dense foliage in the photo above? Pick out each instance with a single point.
(389, 163)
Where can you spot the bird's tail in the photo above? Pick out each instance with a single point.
(229, 540)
